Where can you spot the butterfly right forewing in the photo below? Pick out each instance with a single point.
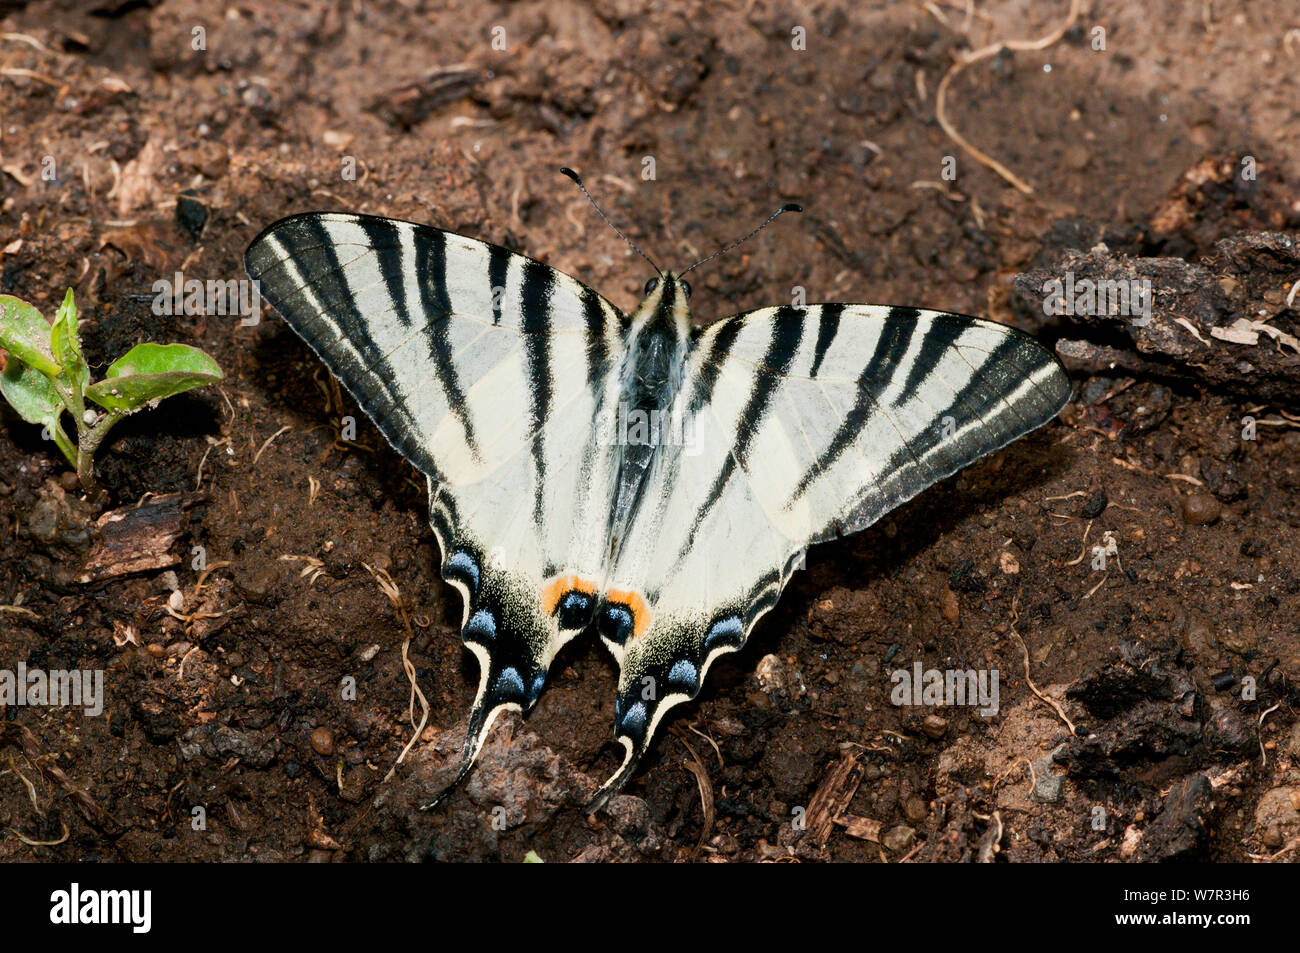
(811, 423)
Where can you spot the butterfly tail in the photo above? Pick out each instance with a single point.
(482, 715)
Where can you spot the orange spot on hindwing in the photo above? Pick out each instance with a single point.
(562, 585)
(636, 604)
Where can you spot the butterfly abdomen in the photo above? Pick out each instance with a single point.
(651, 376)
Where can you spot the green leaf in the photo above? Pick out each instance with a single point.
(532, 858)
(30, 392)
(23, 332)
(150, 372)
(66, 344)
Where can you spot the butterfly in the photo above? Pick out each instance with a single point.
(632, 475)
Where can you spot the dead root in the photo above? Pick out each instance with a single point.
(975, 56)
(394, 594)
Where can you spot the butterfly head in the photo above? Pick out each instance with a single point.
(666, 304)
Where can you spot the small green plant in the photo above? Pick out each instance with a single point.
(45, 375)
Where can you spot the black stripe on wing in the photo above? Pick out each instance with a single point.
(719, 346)
(296, 261)
(828, 325)
(787, 333)
(431, 277)
(305, 282)
(535, 307)
(984, 416)
(891, 345)
(498, 270)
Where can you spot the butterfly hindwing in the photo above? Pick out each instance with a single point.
(488, 371)
(805, 424)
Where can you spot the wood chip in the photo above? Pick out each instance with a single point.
(832, 797)
(138, 538)
(863, 828)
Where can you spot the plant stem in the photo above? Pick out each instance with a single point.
(88, 441)
(55, 428)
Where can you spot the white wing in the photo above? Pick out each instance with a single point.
(800, 425)
(487, 370)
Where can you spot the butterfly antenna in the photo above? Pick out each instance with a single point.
(787, 207)
(574, 176)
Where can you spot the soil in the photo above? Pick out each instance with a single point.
(229, 731)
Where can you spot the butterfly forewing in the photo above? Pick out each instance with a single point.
(809, 423)
(488, 371)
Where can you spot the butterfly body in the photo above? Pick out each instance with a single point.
(630, 475)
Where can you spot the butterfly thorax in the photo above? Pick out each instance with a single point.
(653, 367)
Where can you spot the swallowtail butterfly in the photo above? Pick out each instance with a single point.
(633, 475)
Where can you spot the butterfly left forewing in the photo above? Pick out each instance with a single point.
(488, 371)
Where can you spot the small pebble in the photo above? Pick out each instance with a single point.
(898, 839)
(949, 605)
(322, 740)
(915, 809)
(1201, 509)
(68, 480)
(934, 726)
(176, 600)
(1293, 742)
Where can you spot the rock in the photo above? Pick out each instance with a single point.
(915, 809)
(1178, 832)
(1240, 641)
(1197, 635)
(949, 605)
(322, 741)
(934, 726)
(778, 678)
(221, 742)
(59, 523)
(1048, 786)
(1201, 509)
(1095, 505)
(191, 213)
(258, 582)
(1228, 730)
(1293, 742)
(1183, 294)
(628, 815)
(1277, 817)
(898, 839)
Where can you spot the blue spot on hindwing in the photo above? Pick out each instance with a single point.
(538, 684)
(633, 723)
(574, 610)
(615, 624)
(461, 565)
(683, 675)
(726, 631)
(481, 628)
(509, 684)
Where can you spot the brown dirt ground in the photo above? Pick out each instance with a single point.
(219, 712)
